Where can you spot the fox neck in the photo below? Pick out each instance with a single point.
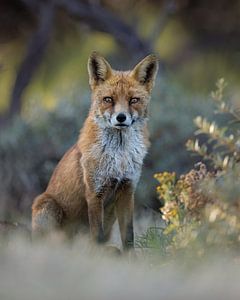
(121, 139)
(117, 153)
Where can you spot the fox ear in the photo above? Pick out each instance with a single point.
(145, 72)
(98, 69)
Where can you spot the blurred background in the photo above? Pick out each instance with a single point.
(44, 93)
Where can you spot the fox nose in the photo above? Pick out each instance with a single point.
(121, 118)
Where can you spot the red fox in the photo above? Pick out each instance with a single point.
(94, 183)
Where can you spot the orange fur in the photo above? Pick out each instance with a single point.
(94, 183)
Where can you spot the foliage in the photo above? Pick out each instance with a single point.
(202, 208)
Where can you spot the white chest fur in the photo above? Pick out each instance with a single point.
(119, 154)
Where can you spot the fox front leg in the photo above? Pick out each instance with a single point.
(124, 210)
(96, 217)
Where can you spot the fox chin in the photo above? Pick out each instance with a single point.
(93, 185)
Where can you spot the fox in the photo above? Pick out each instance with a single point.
(94, 183)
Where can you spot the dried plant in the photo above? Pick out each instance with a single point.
(202, 208)
(223, 143)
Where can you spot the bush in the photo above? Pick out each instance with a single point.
(30, 149)
(202, 208)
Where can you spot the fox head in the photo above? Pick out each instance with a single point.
(120, 99)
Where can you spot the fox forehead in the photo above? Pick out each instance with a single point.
(120, 78)
(120, 84)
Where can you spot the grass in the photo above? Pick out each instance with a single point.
(81, 271)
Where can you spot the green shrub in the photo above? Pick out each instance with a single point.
(30, 149)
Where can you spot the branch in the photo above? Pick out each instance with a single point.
(169, 8)
(100, 19)
(34, 53)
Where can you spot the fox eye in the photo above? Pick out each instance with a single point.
(108, 99)
(134, 100)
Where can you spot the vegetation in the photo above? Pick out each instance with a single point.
(201, 208)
